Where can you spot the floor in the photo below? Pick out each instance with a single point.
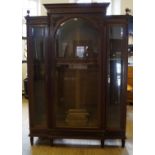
(75, 147)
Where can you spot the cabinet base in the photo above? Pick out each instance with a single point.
(51, 142)
(102, 143)
(123, 143)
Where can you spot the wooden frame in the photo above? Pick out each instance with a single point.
(56, 14)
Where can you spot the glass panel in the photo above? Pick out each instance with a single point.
(38, 47)
(116, 35)
(77, 75)
(77, 38)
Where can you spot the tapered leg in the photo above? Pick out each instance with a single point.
(123, 143)
(102, 142)
(31, 140)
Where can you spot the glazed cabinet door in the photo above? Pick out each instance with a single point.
(116, 73)
(37, 40)
(77, 75)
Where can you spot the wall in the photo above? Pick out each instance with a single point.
(116, 7)
(126, 4)
(24, 74)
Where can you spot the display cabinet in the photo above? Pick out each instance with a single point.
(77, 73)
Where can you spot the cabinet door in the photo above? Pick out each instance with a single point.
(37, 38)
(116, 73)
(77, 75)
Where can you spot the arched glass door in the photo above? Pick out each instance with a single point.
(77, 76)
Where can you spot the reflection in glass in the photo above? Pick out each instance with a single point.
(118, 70)
(116, 35)
(80, 50)
(38, 40)
(77, 75)
(77, 38)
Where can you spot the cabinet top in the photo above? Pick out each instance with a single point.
(77, 8)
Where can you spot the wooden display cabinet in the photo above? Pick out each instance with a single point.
(77, 73)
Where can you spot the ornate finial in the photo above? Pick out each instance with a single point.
(28, 12)
(128, 11)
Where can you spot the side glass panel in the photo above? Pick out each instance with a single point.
(77, 75)
(38, 49)
(115, 41)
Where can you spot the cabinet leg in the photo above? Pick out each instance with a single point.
(102, 142)
(123, 143)
(31, 140)
(51, 141)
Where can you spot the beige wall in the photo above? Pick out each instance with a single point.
(126, 4)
